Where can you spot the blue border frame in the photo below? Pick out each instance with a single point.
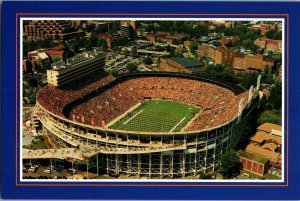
(9, 188)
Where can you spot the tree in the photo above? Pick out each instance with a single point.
(101, 28)
(56, 58)
(131, 67)
(90, 27)
(271, 116)
(102, 43)
(133, 51)
(275, 96)
(113, 71)
(193, 47)
(204, 176)
(46, 64)
(147, 60)
(272, 34)
(230, 164)
(93, 39)
(126, 52)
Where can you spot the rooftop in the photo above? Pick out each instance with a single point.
(261, 136)
(253, 157)
(257, 150)
(268, 127)
(188, 63)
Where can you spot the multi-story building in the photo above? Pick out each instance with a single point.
(264, 28)
(228, 39)
(226, 56)
(127, 30)
(56, 29)
(75, 68)
(269, 44)
(220, 55)
(257, 62)
(267, 143)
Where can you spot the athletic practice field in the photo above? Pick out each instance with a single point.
(157, 116)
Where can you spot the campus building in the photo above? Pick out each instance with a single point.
(240, 62)
(178, 64)
(74, 68)
(253, 62)
(55, 29)
(269, 44)
(264, 28)
(264, 150)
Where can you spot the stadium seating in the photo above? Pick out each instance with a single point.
(219, 105)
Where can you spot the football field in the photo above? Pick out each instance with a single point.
(157, 116)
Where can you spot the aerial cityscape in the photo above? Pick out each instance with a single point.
(152, 99)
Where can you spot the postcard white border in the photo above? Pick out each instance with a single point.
(108, 18)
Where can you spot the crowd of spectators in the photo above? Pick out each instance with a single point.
(55, 99)
(218, 104)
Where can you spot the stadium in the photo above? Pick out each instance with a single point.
(144, 124)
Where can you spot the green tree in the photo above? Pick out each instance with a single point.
(101, 28)
(272, 34)
(275, 97)
(133, 51)
(126, 52)
(94, 40)
(131, 67)
(102, 43)
(113, 71)
(204, 176)
(230, 164)
(56, 58)
(194, 47)
(90, 27)
(147, 60)
(271, 116)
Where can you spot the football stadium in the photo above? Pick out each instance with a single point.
(143, 124)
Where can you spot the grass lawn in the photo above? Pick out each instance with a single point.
(157, 116)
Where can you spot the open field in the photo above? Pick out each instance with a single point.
(157, 116)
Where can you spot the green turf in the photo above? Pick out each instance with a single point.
(157, 116)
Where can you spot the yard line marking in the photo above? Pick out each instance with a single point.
(133, 117)
(177, 124)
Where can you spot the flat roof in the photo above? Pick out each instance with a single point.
(260, 136)
(253, 157)
(188, 63)
(273, 156)
(268, 127)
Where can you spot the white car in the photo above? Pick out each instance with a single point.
(32, 169)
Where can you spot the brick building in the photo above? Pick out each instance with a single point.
(220, 55)
(253, 163)
(56, 29)
(263, 27)
(228, 39)
(254, 62)
(269, 44)
(267, 142)
(112, 40)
